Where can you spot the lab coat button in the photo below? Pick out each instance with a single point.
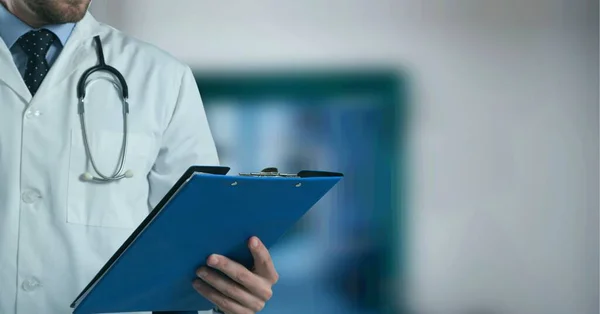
(30, 284)
(30, 197)
(32, 113)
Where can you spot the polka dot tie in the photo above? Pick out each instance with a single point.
(36, 44)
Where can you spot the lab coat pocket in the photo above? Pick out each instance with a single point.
(118, 204)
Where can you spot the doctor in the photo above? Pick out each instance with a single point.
(58, 225)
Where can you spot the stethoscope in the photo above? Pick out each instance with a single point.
(118, 174)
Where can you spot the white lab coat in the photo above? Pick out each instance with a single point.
(55, 230)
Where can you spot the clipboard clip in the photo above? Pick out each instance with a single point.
(269, 172)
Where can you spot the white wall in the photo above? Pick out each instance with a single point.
(504, 196)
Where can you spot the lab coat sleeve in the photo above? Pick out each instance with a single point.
(187, 140)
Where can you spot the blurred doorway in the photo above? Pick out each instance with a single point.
(342, 257)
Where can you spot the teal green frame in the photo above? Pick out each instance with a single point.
(392, 87)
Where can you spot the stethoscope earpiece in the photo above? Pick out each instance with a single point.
(87, 177)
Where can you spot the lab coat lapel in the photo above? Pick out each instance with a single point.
(9, 74)
(72, 57)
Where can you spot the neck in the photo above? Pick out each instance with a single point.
(21, 11)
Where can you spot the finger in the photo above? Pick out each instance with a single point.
(240, 274)
(231, 289)
(263, 263)
(224, 303)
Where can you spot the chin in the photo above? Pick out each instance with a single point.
(59, 11)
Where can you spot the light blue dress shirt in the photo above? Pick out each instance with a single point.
(11, 28)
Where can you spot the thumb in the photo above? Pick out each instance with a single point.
(263, 264)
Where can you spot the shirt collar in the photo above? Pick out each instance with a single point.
(11, 28)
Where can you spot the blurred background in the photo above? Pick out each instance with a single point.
(467, 130)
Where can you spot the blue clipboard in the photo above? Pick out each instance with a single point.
(154, 268)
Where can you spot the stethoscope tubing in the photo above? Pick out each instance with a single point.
(83, 83)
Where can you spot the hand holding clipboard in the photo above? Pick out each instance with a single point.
(234, 288)
(172, 240)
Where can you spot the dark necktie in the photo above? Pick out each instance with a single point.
(36, 44)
